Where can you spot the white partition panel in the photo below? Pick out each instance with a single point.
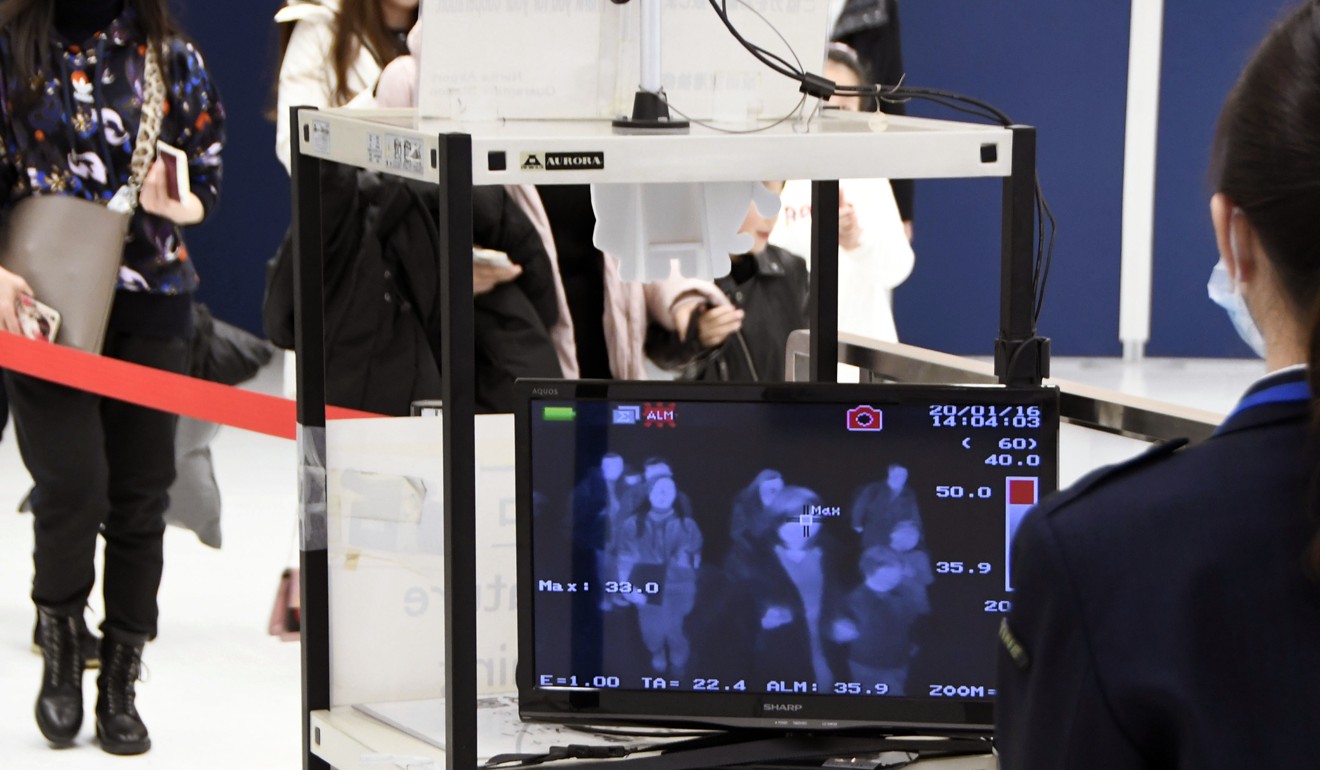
(386, 555)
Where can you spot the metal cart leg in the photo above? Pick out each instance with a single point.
(309, 342)
(1021, 357)
(823, 305)
(457, 369)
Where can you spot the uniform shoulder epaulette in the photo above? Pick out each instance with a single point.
(1109, 473)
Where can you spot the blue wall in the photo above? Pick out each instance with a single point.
(1062, 66)
(1205, 48)
(238, 42)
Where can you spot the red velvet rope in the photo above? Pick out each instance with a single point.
(157, 389)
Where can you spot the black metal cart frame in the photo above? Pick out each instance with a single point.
(1021, 358)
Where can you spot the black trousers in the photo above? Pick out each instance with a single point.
(99, 466)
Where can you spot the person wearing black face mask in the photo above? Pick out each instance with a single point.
(73, 85)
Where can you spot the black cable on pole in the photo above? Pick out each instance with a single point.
(1049, 250)
(822, 88)
(784, 69)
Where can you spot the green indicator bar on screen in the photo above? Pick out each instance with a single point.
(558, 414)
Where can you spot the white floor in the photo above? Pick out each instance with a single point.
(220, 692)
(223, 694)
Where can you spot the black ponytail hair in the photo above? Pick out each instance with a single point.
(1266, 159)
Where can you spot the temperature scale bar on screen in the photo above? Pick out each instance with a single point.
(1021, 494)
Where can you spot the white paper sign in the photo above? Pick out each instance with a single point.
(484, 60)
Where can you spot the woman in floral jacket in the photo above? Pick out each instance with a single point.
(72, 83)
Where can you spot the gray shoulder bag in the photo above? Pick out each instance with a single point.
(69, 249)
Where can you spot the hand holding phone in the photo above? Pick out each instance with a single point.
(12, 287)
(491, 257)
(37, 320)
(491, 268)
(165, 190)
(176, 170)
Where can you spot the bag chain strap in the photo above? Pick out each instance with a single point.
(153, 111)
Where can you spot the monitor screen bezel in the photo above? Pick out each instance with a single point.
(767, 711)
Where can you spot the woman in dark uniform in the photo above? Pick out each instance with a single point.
(1167, 610)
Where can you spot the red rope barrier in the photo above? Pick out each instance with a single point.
(144, 386)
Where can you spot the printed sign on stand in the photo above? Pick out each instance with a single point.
(588, 58)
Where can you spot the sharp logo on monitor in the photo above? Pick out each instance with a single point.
(782, 707)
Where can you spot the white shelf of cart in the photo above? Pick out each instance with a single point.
(346, 738)
(833, 146)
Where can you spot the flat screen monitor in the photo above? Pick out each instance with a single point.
(783, 557)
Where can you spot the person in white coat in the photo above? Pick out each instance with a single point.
(874, 253)
(333, 53)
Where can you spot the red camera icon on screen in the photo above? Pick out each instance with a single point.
(864, 418)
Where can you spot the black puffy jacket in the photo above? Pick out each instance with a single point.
(383, 303)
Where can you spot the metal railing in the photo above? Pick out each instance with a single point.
(1079, 404)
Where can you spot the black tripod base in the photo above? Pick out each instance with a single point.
(650, 113)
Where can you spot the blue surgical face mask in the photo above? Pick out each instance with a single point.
(1227, 293)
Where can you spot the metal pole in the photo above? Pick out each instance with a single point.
(457, 369)
(650, 45)
(1021, 357)
(823, 303)
(309, 345)
(1139, 151)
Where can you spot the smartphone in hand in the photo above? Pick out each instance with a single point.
(37, 320)
(490, 257)
(176, 170)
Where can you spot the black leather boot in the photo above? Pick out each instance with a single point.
(60, 703)
(88, 642)
(118, 726)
